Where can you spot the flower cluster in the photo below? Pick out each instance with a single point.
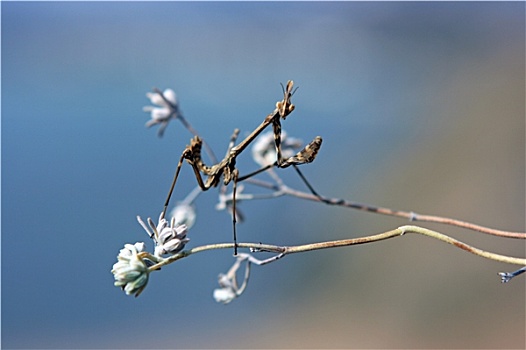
(229, 289)
(167, 109)
(130, 271)
(169, 238)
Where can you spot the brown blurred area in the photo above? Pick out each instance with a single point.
(414, 292)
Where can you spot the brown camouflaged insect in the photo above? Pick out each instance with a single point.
(226, 168)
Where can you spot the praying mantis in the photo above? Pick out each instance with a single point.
(226, 168)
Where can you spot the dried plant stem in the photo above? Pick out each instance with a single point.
(284, 250)
(412, 216)
(408, 229)
(282, 189)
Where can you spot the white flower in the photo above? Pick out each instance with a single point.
(184, 214)
(264, 149)
(227, 293)
(130, 271)
(229, 289)
(169, 238)
(166, 109)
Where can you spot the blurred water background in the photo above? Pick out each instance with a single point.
(421, 107)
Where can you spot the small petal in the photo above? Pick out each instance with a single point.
(154, 98)
(181, 229)
(157, 99)
(169, 94)
(160, 114)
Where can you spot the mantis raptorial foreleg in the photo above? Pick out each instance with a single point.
(226, 168)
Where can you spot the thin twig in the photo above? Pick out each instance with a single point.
(284, 250)
(411, 216)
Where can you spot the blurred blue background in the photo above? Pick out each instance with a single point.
(421, 107)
